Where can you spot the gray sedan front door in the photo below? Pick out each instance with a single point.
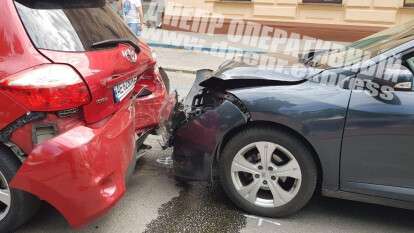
(378, 145)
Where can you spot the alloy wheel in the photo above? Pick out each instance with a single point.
(266, 174)
(5, 197)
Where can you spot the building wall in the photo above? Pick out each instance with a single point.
(362, 17)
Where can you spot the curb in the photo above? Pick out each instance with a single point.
(199, 49)
(182, 70)
(204, 48)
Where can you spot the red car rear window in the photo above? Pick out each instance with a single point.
(71, 25)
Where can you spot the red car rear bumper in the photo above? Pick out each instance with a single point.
(151, 110)
(82, 171)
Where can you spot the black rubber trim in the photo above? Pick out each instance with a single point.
(6, 133)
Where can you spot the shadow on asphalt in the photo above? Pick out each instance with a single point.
(201, 207)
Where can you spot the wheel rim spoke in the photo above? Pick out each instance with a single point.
(240, 164)
(291, 169)
(266, 183)
(266, 150)
(250, 191)
(280, 196)
(5, 196)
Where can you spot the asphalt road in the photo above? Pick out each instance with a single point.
(155, 202)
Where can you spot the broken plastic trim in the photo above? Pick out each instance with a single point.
(236, 101)
(208, 91)
(16, 150)
(6, 133)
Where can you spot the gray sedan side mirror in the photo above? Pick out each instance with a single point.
(401, 78)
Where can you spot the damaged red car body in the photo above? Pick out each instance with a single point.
(74, 102)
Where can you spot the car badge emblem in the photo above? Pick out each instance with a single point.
(130, 55)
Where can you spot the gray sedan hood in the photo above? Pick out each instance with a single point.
(234, 74)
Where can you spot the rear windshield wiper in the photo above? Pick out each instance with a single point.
(113, 43)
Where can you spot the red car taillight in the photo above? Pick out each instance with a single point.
(49, 87)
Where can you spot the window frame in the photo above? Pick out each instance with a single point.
(408, 4)
(338, 2)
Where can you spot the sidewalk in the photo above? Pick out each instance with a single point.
(186, 61)
(189, 52)
(201, 42)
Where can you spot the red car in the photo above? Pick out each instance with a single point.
(77, 92)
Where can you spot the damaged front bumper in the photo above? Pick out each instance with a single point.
(199, 125)
(203, 122)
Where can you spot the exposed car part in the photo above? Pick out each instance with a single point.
(19, 153)
(6, 132)
(210, 89)
(43, 132)
(209, 112)
(142, 148)
(68, 112)
(143, 93)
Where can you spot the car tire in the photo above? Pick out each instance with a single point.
(22, 205)
(264, 203)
